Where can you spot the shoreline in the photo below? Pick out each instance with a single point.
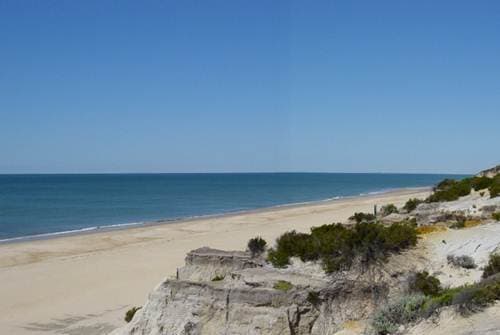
(83, 284)
(143, 224)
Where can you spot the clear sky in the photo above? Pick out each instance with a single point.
(214, 86)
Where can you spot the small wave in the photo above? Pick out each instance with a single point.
(68, 232)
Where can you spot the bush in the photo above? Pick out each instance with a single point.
(337, 245)
(407, 309)
(257, 246)
(412, 204)
(464, 261)
(426, 284)
(466, 299)
(129, 315)
(388, 209)
(496, 216)
(493, 266)
(362, 217)
(283, 285)
(495, 187)
(449, 190)
(481, 183)
(279, 259)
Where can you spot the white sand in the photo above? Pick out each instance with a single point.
(84, 284)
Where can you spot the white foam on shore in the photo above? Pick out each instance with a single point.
(68, 232)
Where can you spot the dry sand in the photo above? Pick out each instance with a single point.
(83, 284)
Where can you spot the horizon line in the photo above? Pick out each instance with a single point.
(227, 172)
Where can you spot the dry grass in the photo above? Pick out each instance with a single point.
(353, 325)
(472, 223)
(430, 229)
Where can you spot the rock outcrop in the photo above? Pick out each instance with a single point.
(240, 295)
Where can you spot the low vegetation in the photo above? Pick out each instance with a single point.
(495, 187)
(426, 284)
(431, 297)
(388, 209)
(493, 266)
(481, 183)
(459, 222)
(405, 310)
(283, 285)
(463, 261)
(449, 189)
(496, 216)
(257, 246)
(363, 217)
(218, 278)
(412, 204)
(129, 315)
(337, 246)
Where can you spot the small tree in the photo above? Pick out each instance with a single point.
(257, 246)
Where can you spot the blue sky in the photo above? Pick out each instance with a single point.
(213, 86)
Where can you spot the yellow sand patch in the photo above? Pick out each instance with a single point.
(472, 223)
(352, 325)
(430, 229)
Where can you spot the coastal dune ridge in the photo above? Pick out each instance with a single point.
(84, 283)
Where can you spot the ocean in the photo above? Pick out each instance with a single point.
(45, 205)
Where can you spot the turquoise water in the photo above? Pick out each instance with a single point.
(50, 204)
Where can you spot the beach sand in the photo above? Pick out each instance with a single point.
(83, 284)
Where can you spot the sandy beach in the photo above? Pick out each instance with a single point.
(83, 284)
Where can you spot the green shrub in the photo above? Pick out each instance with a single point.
(279, 259)
(444, 184)
(337, 245)
(405, 310)
(218, 278)
(495, 188)
(481, 183)
(466, 299)
(283, 285)
(362, 217)
(426, 284)
(449, 190)
(412, 204)
(129, 315)
(496, 216)
(493, 266)
(388, 209)
(257, 246)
